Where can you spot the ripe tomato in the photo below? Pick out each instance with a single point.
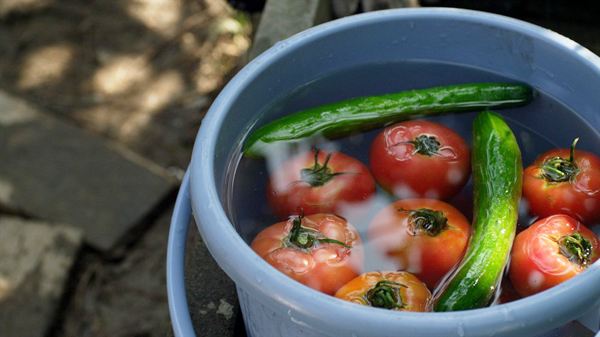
(322, 251)
(399, 291)
(316, 182)
(566, 182)
(420, 159)
(507, 292)
(426, 237)
(551, 251)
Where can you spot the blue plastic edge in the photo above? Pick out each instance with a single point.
(178, 306)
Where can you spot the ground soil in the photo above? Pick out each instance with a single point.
(140, 73)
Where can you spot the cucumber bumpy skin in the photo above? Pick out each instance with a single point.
(497, 180)
(365, 113)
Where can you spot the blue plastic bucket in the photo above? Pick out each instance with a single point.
(272, 304)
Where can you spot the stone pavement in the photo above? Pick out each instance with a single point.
(98, 192)
(299, 15)
(35, 262)
(122, 298)
(54, 171)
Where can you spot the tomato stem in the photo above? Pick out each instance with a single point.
(318, 175)
(576, 248)
(306, 238)
(337, 242)
(426, 145)
(572, 151)
(385, 294)
(300, 236)
(427, 220)
(557, 169)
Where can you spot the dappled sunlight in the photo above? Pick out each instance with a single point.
(161, 91)
(189, 43)
(230, 25)
(110, 76)
(232, 44)
(121, 73)
(5, 288)
(164, 89)
(161, 16)
(45, 65)
(127, 118)
(206, 80)
(217, 8)
(138, 72)
(13, 112)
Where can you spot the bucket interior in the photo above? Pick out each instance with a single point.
(401, 55)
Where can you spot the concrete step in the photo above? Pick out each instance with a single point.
(35, 261)
(52, 170)
(283, 18)
(126, 297)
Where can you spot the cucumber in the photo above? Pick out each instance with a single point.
(497, 180)
(365, 113)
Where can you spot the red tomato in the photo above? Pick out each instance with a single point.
(322, 251)
(426, 237)
(399, 291)
(507, 292)
(316, 182)
(563, 182)
(549, 252)
(420, 159)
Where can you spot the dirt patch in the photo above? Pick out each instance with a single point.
(139, 72)
(121, 298)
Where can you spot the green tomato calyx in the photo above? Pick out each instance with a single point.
(306, 238)
(576, 248)
(318, 174)
(427, 220)
(385, 294)
(426, 145)
(557, 169)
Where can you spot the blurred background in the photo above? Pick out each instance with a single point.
(100, 102)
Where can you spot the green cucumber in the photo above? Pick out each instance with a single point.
(497, 180)
(364, 113)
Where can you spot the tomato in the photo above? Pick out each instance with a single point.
(551, 251)
(426, 237)
(399, 291)
(322, 251)
(316, 182)
(564, 181)
(420, 159)
(507, 292)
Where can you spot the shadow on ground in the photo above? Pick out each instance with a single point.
(138, 72)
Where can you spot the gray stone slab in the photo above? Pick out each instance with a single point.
(52, 170)
(35, 261)
(342, 8)
(284, 18)
(211, 295)
(125, 298)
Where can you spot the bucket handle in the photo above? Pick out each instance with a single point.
(178, 306)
